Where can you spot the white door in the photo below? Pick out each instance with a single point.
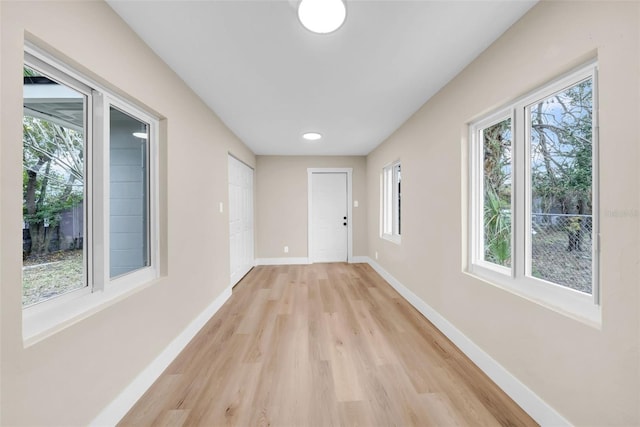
(240, 219)
(328, 225)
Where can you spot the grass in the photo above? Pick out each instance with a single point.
(51, 275)
(551, 261)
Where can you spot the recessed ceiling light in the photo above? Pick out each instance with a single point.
(322, 16)
(142, 135)
(312, 136)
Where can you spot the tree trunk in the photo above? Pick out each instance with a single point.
(36, 226)
(37, 232)
(558, 196)
(49, 234)
(43, 186)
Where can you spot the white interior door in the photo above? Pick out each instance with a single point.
(329, 217)
(240, 219)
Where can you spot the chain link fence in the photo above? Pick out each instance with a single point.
(561, 249)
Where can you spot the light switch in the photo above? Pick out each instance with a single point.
(355, 203)
(221, 207)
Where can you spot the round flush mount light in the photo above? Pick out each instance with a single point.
(322, 16)
(312, 136)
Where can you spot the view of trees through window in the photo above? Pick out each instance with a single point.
(561, 187)
(53, 188)
(497, 193)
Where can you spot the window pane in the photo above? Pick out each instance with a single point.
(399, 197)
(387, 212)
(53, 178)
(497, 193)
(561, 187)
(129, 194)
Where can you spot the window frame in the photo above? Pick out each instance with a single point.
(518, 279)
(49, 316)
(477, 193)
(390, 214)
(149, 272)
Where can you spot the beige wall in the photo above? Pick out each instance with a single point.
(281, 203)
(69, 377)
(589, 376)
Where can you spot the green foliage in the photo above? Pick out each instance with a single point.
(49, 212)
(497, 228)
(562, 150)
(53, 174)
(497, 156)
(497, 192)
(29, 72)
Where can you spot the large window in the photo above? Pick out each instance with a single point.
(533, 218)
(391, 218)
(53, 185)
(88, 185)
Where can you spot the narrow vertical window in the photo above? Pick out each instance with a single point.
(561, 187)
(129, 193)
(387, 201)
(497, 193)
(398, 196)
(391, 202)
(53, 187)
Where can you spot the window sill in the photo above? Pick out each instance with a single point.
(48, 318)
(565, 301)
(395, 238)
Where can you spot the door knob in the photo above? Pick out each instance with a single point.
(344, 217)
(344, 223)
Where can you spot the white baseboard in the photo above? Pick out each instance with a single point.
(302, 260)
(118, 408)
(537, 408)
(282, 261)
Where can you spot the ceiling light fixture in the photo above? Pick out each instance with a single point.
(142, 135)
(312, 136)
(322, 16)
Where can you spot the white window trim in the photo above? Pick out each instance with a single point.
(144, 274)
(49, 317)
(517, 279)
(394, 236)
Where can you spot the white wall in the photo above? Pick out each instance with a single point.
(589, 375)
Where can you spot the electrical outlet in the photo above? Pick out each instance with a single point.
(286, 249)
(376, 254)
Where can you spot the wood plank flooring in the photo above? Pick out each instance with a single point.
(322, 345)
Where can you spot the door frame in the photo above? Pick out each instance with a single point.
(349, 172)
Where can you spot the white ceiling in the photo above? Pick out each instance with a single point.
(270, 80)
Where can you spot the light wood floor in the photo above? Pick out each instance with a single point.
(322, 345)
